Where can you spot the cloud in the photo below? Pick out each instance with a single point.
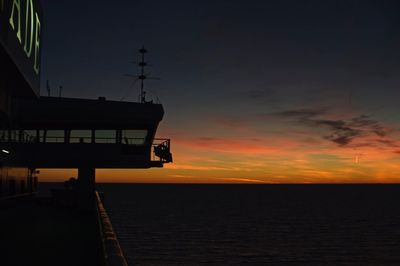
(235, 122)
(261, 95)
(341, 131)
(301, 114)
(192, 166)
(365, 121)
(181, 176)
(388, 142)
(262, 92)
(244, 180)
(227, 145)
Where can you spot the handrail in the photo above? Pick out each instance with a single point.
(113, 254)
(16, 136)
(129, 141)
(86, 140)
(159, 148)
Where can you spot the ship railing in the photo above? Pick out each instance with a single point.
(160, 148)
(26, 138)
(101, 140)
(19, 136)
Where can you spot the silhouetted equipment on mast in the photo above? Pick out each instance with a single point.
(142, 76)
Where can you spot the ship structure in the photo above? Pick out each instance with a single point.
(39, 132)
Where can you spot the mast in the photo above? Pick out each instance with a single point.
(142, 76)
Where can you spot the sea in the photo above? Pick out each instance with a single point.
(160, 224)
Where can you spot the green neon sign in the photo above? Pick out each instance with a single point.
(24, 20)
(37, 45)
(29, 14)
(21, 27)
(16, 18)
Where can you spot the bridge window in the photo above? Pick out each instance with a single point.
(55, 136)
(105, 136)
(41, 135)
(13, 135)
(4, 135)
(30, 135)
(80, 136)
(134, 137)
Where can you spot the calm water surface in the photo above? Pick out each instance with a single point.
(256, 224)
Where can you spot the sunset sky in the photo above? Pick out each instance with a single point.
(254, 91)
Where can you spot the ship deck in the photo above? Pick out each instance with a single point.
(34, 232)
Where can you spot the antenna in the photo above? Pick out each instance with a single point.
(130, 87)
(48, 87)
(142, 75)
(60, 91)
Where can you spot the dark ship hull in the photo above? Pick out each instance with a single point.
(72, 227)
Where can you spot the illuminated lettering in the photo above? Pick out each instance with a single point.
(23, 23)
(29, 14)
(16, 4)
(36, 66)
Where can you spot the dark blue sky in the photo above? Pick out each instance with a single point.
(213, 49)
(223, 63)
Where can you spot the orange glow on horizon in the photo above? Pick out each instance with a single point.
(193, 165)
(298, 154)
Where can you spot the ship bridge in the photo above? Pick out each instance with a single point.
(52, 132)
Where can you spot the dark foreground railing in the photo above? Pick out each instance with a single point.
(113, 254)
